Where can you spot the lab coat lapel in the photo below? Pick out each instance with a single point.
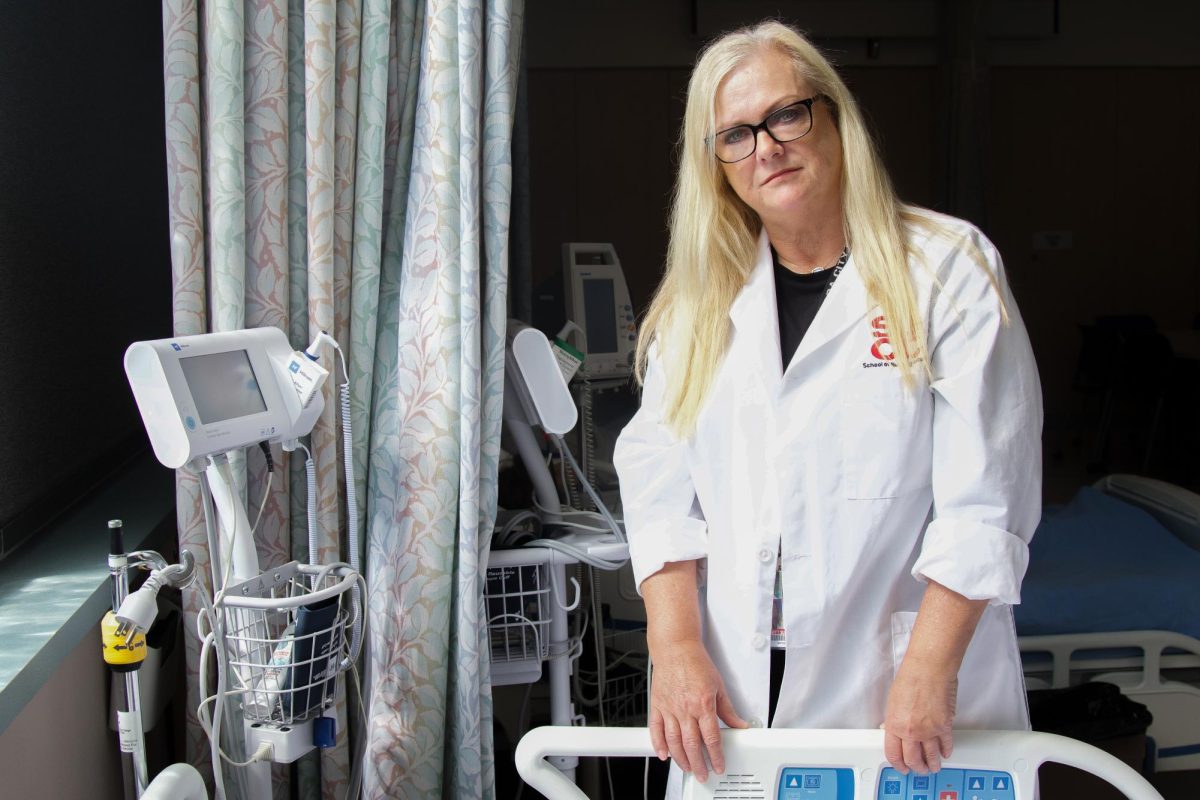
(845, 306)
(756, 320)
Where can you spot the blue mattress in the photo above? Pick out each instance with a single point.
(1100, 564)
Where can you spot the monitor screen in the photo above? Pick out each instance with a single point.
(223, 385)
(600, 312)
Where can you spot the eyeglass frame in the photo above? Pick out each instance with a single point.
(762, 126)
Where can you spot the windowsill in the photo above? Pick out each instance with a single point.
(55, 588)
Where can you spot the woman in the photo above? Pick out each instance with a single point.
(840, 401)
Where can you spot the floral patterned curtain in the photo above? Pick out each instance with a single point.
(344, 165)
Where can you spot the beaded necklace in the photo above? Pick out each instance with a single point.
(837, 268)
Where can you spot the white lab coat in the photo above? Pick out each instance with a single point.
(869, 489)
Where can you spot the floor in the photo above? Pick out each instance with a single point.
(1178, 785)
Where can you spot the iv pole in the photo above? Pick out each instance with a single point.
(129, 719)
(124, 648)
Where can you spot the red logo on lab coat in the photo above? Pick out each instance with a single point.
(882, 347)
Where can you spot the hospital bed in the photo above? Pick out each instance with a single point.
(1113, 594)
(796, 764)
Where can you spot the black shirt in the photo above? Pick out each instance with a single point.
(797, 299)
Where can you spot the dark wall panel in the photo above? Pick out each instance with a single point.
(899, 104)
(1111, 157)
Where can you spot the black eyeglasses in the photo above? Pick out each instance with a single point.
(785, 125)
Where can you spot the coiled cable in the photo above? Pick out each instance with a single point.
(351, 499)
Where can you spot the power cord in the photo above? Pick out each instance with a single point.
(573, 551)
(591, 492)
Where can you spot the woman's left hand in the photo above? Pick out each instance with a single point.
(917, 733)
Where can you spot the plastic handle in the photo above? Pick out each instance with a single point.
(177, 782)
(550, 740)
(1016, 752)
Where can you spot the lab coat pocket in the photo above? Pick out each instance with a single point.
(902, 628)
(991, 683)
(991, 688)
(885, 439)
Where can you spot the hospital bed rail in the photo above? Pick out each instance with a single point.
(1174, 705)
(1160, 650)
(773, 751)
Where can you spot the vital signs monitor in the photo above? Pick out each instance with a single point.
(598, 302)
(206, 394)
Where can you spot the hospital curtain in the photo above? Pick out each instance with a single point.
(343, 165)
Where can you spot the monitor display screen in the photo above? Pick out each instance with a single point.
(600, 311)
(223, 385)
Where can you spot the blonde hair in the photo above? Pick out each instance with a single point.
(714, 234)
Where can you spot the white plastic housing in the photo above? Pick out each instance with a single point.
(288, 742)
(207, 394)
(541, 390)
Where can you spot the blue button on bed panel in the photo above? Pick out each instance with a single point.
(957, 784)
(814, 783)
(891, 785)
(949, 784)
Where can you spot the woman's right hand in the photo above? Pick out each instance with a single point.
(687, 697)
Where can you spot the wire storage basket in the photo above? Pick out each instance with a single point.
(285, 638)
(618, 696)
(517, 599)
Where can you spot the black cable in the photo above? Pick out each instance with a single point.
(266, 448)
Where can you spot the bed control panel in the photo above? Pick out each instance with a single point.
(949, 784)
(815, 783)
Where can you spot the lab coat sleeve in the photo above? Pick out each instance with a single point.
(663, 521)
(987, 423)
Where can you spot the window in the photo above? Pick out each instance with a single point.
(84, 246)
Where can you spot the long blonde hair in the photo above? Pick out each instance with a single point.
(714, 234)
